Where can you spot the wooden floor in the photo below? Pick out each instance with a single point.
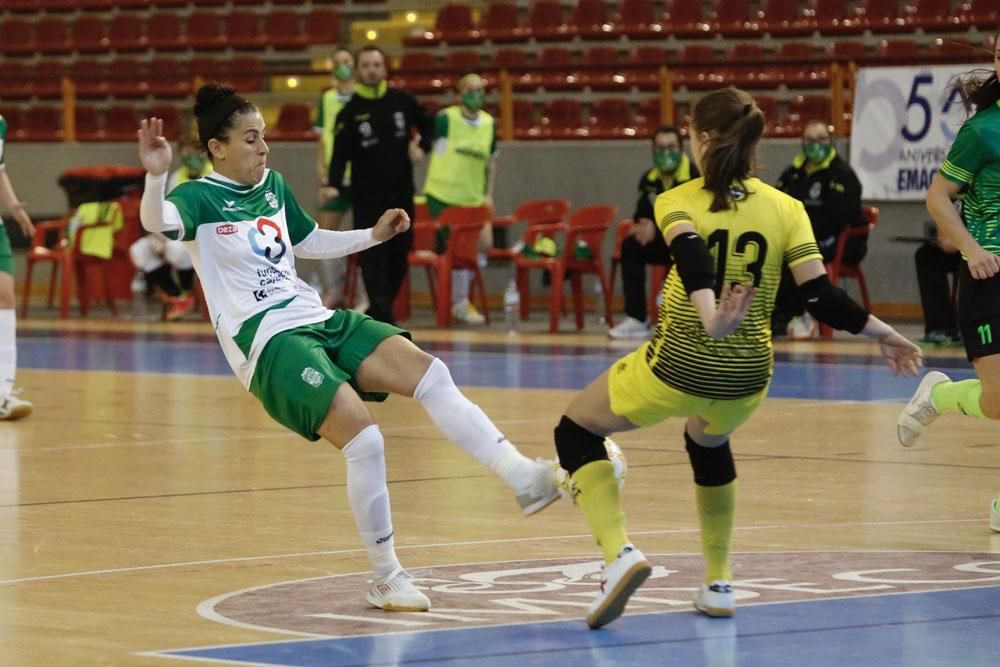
(129, 499)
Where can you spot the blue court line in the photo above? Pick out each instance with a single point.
(823, 377)
(954, 628)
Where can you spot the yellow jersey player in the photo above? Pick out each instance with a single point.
(710, 360)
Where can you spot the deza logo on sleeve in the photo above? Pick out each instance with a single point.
(265, 240)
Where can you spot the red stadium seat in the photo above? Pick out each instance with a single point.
(453, 25)
(953, 50)
(897, 50)
(645, 70)
(832, 18)
(15, 80)
(769, 106)
(127, 33)
(697, 68)
(460, 62)
(784, 18)
(686, 20)
(15, 118)
(89, 124)
(168, 77)
(17, 37)
(164, 32)
(46, 79)
(242, 29)
(515, 62)
(120, 122)
(500, 24)
(561, 119)
(733, 19)
(284, 31)
(983, 14)
(603, 70)
(245, 74)
(611, 118)
(557, 69)
(52, 36)
(805, 108)
(933, 16)
(524, 119)
(89, 34)
(545, 21)
(323, 27)
(126, 77)
(884, 16)
(295, 123)
(171, 117)
(845, 50)
(90, 79)
(637, 20)
(590, 21)
(204, 32)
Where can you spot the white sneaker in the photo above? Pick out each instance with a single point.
(466, 313)
(618, 581)
(542, 490)
(716, 599)
(995, 515)
(803, 328)
(630, 328)
(396, 592)
(920, 411)
(13, 407)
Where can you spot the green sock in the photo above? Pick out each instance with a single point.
(716, 506)
(959, 397)
(597, 495)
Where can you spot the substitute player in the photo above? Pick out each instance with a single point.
(309, 366)
(11, 406)
(973, 162)
(710, 360)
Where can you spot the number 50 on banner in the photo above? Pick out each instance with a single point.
(905, 120)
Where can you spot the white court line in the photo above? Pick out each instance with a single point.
(147, 443)
(451, 545)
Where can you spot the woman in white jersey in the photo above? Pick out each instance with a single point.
(311, 367)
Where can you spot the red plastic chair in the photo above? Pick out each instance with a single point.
(611, 118)
(164, 32)
(462, 252)
(295, 123)
(561, 119)
(588, 225)
(284, 32)
(56, 254)
(837, 269)
(88, 34)
(204, 31)
(243, 31)
(17, 38)
(933, 16)
(52, 36)
(533, 212)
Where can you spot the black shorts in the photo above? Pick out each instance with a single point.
(979, 313)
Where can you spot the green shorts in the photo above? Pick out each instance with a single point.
(339, 204)
(300, 370)
(6, 254)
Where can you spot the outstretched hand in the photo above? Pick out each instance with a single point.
(154, 149)
(901, 355)
(394, 221)
(23, 219)
(734, 304)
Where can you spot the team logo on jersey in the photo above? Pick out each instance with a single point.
(231, 206)
(365, 129)
(272, 200)
(265, 240)
(226, 229)
(400, 120)
(737, 193)
(815, 191)
(312, 377)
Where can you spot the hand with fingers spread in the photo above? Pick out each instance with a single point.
(394, 221)
(901, 355)
(154, 149)
(734, 304)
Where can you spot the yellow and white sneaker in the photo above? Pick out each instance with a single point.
(396, 592)
(920, 411)
(716, 599)
(618, 581)
(12, 407)
(466, 313)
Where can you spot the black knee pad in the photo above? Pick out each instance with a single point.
(577, 446)
(713, 466)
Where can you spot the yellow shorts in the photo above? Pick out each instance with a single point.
(645, 400)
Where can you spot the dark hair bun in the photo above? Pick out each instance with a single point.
(209, 97)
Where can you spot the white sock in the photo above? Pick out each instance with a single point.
(8, 351)
(369, 498)
(467, 426)
(460, 281)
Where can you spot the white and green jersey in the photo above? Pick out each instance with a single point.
(240, 238)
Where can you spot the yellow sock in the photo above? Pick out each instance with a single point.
(959, 397)
(716, 506)
(597, 495)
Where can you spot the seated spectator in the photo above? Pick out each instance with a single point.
(165, 264)
(936, 259)
(831, 193)
(644, 244)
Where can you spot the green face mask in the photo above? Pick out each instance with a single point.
(816, 152)
(194, 163)
(666, 160)
(473, 100)
(343, 72)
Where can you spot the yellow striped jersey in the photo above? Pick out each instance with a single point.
(749, 242)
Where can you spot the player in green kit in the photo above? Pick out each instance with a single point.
(710, 360)
(312, 367)
(973, 163)
(11, 406)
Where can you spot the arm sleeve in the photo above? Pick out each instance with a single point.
(342, 147)
(801, 244)
(966, 157)
(159, 215)
(328, 244)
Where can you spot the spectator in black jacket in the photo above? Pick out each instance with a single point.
(831, 193)
(644, 244)
(381, 132)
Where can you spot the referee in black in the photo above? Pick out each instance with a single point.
(381, 132)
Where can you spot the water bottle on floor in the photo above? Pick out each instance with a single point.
(512, 308)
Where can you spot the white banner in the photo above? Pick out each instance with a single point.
(905, 120)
